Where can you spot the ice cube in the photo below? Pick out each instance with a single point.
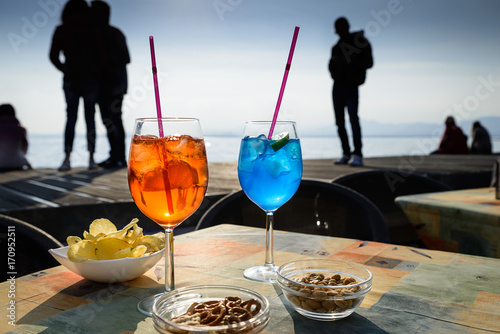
(184, 144)
(277, 164)
(251, 149)
(246, 159)
(257, 146)
(245, 165)
(293, 151)
(142, 156)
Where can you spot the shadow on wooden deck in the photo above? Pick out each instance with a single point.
(65, 203)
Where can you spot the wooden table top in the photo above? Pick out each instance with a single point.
(414, 290)
(480, 200)
(464, 221)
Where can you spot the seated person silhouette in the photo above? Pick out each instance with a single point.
(453, 140)
(481, 140)
(13, 141)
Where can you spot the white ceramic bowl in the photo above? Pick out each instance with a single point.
(177, 302)
(108, 271)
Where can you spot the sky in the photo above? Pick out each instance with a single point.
(223, 61)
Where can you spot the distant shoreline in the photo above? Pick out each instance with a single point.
(369, 128)
(46, 151)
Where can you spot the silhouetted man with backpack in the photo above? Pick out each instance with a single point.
(351, 57)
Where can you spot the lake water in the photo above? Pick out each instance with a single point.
(46, 151)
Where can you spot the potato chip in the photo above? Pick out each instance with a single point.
(82, 251)
(125, 233)
(123, 253)
(88, 236)
(105, 242)
(152, 242)
(130, 252)
(121, 234)
(139, 251)
(105, 248)
(132, 223)
(134, 234)
(71, 240)
(102, 226)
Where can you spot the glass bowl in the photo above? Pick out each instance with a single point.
(177, 303)
(324, 289)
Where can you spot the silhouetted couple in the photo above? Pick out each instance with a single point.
(94, 68)
(454, 141)
(351, 57)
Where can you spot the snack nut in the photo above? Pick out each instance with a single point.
(323, 299)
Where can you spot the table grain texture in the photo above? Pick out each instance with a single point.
(414, 290)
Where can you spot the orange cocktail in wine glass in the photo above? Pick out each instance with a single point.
(168, 177)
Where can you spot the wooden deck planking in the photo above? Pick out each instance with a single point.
(99, 191)
(223, 178)
(39, 189)
(11, 199)
(49, 199)
(56, 189)
(82, 186)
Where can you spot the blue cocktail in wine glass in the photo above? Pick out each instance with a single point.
(269, 171)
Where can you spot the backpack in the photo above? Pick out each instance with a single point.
(351, 57)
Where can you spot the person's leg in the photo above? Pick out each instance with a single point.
(112, 118)
(72, 100)
(352, 109)
(352, 101)
(71, 116)
(90, 101)
(118, 149)
(104, 109)
(339, 104)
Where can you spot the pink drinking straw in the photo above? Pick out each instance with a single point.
(283, 84)
(166, 180)
(155, 81)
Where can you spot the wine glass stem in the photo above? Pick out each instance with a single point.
(169, 260)
(269, 239)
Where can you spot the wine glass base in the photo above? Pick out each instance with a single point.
(145, 306)
(261, 273)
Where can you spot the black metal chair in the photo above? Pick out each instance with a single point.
(381, 187)
(316, 208)
(29, 247)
